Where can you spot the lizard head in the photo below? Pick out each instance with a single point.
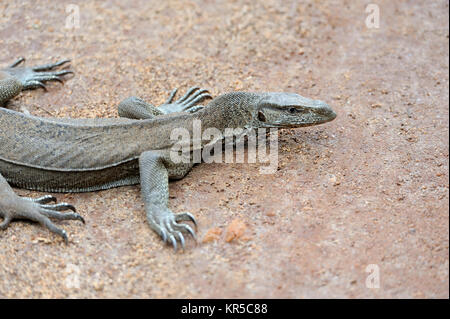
(290, 110)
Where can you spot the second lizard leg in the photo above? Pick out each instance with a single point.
(154, 175)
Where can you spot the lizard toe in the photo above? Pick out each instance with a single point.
(42, 200)
(187, 94)
(173, 241)
(17, 62)
(186, 228)
(170, 231)
(35, 210)
(35, 77)
(34, 84)
(181, 238)
(198, 96)
(60, 207)
(6, 221)
(186, 216)
(171, 96)
(50, 66)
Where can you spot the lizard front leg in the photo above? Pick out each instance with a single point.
(187, 103)
(136, 108)
(154, 174)
(39, 210)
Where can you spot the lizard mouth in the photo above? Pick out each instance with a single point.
(310, 120)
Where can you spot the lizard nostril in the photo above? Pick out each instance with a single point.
(332, 114)
(325, 110)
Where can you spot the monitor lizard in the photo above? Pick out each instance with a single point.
(83, 155)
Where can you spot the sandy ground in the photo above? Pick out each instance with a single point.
(370, 188)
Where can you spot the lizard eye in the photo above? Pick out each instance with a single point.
(292, 110)
(261, 116)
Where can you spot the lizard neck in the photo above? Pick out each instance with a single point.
(230, 110)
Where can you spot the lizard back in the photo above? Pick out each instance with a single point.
(77, 145)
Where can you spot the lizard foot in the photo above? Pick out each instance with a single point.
(187, 103)
(35, 77)
(38, 210)
(167, 226)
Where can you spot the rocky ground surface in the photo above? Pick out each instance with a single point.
(369, 188)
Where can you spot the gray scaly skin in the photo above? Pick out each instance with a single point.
(80, 155)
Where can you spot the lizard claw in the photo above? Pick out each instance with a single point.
(35, 77)
(170, 230)
(43, 200)
(186, 216)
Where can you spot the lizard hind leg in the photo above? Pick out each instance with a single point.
(38, 210)
(35, 77)
(26, 209)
